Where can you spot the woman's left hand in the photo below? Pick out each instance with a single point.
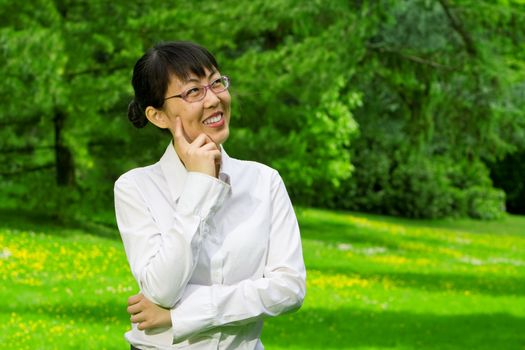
(147, 314)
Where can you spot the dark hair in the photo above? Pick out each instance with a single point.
(152, 72)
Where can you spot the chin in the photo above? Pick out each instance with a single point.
(221, 139)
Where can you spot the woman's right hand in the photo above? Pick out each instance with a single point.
(201, 155)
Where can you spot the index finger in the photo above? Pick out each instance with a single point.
(135, 299)
(180, 135)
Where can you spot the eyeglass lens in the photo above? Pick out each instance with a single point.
(197, 93)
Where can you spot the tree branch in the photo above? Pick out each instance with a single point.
(24, 149)
(19, 121)
(97, 70)
(458, 27)
(412, 58)
(28, 170)
(106, 143)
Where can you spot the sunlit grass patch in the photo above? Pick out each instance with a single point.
(373, 283)
(63, 291)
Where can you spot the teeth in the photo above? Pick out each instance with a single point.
(213, 119)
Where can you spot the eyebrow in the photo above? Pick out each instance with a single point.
(198, 80)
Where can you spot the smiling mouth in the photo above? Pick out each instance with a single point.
(217, 119)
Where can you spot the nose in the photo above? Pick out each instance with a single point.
(211, 99)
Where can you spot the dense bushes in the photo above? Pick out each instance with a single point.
(422, 187)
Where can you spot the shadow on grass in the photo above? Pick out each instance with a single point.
(508, 225)
(489, 284)
(350, 328)
(49, 224)
(97, 311)
(483, 284)
(330, 231)
(335, 228)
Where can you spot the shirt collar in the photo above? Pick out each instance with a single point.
(226, 167)
(175, 172)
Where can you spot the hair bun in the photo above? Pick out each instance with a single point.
(136, 115)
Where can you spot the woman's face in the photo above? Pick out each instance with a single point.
(210, 116)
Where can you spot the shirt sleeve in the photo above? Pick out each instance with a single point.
(162, 261)
(281, 289)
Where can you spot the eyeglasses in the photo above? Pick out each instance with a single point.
(197, 93)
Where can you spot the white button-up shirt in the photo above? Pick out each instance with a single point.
(222, 254)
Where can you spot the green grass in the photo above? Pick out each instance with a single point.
(374, 282)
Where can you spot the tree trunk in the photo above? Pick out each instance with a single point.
(65, 169)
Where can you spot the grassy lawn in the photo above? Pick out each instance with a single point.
(374, 282)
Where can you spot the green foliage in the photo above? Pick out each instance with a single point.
(485, 203)
(295, 109)
(373, 282)
(290, 112)
(364, 105)
(421, 188)
(441, 97)
(404, 184)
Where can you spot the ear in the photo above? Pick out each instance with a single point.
(157, 117)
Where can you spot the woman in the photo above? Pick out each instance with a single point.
(212, 241)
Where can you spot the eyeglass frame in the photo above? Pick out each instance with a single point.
(206, 88)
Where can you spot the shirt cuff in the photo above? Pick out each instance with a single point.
(202, 195)
(193, 315)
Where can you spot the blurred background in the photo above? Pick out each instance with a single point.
(410, 108)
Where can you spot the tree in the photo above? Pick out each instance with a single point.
(78, 57)
(438, 103)
(434, 88)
